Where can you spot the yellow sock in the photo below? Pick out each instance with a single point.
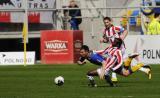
(127, 62)
(136, 67)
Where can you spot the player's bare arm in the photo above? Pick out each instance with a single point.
(81, 62)
(124, 34)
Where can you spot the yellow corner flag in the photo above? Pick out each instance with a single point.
(24, 34)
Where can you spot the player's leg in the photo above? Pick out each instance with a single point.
(121, 71)
(114, 77)
(90, 77)
(132, 69)
(146, 68)
(130, 61)
(128, 71)
(109, 81)
(107, 77)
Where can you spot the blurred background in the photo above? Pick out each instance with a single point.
(134, 15)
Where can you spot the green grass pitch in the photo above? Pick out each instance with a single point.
(37, 81)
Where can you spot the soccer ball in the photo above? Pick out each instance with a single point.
(59, 80)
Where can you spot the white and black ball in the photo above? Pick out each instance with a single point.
(59, 80)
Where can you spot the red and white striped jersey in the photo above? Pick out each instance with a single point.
(114, 58)
(113, 32)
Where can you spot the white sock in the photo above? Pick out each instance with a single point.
(114, 75)
(90, 77)
(143, 69)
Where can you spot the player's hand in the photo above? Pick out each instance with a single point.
(101, 41)
(69, 17)
(81, 63)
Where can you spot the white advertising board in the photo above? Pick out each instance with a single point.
(147, 45)
(16, 58)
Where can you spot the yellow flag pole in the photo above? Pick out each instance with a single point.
(25, 31)
(25, 42)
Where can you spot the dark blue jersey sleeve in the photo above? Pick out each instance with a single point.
(96, 59)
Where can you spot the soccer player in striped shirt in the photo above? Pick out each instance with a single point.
(114, 61)
(110, 33)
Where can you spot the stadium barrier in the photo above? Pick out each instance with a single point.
(147, 46)
(17, 58)
(60, 46)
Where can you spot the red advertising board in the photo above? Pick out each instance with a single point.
(5, 17)
(60, 46)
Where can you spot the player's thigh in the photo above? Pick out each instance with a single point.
(92, 72)
(119, 71)
(99, 71)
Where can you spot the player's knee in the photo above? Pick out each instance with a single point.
(127, 62)
(126, 73)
